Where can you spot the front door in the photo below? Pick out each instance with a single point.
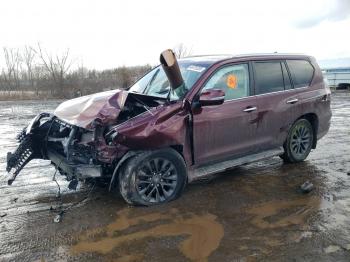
(227, 130)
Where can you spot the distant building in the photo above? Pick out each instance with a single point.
(338, 77)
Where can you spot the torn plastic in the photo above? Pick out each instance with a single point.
(30, 147)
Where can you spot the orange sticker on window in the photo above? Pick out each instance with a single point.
(231, 81)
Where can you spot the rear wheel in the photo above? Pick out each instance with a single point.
(299, 141)
(153, 177)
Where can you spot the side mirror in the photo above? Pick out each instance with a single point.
(212, 97)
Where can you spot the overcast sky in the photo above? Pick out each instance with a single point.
(106, 34)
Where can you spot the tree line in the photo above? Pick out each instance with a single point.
(35, 71)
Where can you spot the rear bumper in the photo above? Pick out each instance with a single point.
(71, 170)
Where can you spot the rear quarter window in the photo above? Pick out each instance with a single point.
(301, 71)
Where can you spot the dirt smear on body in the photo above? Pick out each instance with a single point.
(202, 233)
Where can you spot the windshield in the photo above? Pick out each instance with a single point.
(155, 83)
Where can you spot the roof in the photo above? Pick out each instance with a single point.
(211, 59)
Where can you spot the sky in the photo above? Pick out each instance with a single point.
(106, 34)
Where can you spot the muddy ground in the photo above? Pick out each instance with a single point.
(252, 213)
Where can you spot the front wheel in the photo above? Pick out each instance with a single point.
(299, 141)
(153, 177)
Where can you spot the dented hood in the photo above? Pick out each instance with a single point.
(103, 107)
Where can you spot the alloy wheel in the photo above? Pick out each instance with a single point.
(156, 180)
(300, 139)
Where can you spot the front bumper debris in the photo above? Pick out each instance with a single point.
(20, 158)
(68, 147)
(72, 170)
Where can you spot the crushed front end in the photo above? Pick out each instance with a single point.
(90, 136)
(70, 148)
(77, 137)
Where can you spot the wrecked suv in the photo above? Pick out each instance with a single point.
(183, 120)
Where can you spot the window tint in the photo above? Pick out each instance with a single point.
(233, 80)
(301, 71)
(287, 83)
(268, 77)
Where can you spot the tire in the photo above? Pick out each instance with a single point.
(299, 141)
(153, 177)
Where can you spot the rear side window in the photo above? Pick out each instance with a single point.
(268, 77)
(301, 72)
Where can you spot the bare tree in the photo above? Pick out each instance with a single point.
(28, 59)
(13, 62)
(34, 69)
(181, 50)
(56, 66)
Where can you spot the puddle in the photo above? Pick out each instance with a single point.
(130, 258)
(202, 233)
(274, 214)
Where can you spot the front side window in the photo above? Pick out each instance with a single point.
(301, 71)
(233, 80)
(268, 77)
(156, 83)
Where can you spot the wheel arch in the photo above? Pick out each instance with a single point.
(119, 164)
(179, 149)
(313, 119)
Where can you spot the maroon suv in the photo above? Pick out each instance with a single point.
(181, 121)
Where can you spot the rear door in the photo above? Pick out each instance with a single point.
(226, 130)
(276, 102)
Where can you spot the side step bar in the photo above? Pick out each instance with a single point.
(228, 164)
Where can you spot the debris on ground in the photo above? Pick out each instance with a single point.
(307, 187)
(332, 249)
(3, 214)
(58, 218)
(348, 173)
(14, 200)
(73, 184)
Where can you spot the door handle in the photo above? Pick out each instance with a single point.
(293, 101)
(250, 109)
